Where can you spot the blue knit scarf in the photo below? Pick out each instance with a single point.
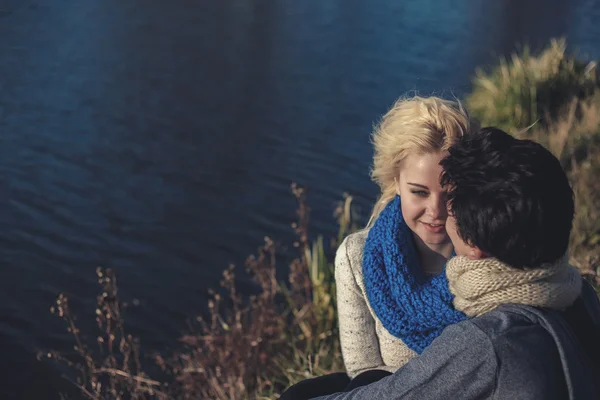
(411, 306)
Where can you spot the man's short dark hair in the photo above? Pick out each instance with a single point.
(510, 197)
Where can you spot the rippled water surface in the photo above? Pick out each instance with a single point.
(160, 138)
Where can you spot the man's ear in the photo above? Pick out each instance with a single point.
(475, 253)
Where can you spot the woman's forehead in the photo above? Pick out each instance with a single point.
(419, 168)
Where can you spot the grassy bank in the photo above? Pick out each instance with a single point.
(554, 99)
(253, 347)
(249, 347)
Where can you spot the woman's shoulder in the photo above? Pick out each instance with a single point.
(354, 241)
(351, 248)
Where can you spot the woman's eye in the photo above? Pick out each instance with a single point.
(419, 192)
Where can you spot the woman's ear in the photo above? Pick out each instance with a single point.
(397, 185)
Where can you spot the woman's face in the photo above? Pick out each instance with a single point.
(423, 199)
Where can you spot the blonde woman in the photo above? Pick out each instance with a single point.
(393, 298)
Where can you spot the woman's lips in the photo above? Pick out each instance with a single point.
(434, 228)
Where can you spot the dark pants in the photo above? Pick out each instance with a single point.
(329, 384)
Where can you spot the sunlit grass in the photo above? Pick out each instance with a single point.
(524, 88)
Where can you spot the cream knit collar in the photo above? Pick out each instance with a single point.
(479, 286)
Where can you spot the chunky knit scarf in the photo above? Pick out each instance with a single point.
(479, 286)
(410, 305)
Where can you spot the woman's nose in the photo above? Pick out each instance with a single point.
(437, 207)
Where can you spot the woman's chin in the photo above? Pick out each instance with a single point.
(438, 242)
(435, 238)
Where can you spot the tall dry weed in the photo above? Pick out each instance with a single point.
(249, 347)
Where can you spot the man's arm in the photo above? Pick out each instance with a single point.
(501, 356)
(459, 364)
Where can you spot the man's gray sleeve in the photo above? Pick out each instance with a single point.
(459, 364)
(464, 362)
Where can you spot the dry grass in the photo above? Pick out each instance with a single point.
(114, 370)
(248, 348)
(525, 89)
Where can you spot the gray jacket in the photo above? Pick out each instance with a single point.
(512, 352)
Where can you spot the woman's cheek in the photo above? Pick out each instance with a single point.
(410, 208)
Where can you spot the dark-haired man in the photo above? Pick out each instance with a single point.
(533, 326)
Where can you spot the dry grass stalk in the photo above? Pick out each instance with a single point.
(114, 371)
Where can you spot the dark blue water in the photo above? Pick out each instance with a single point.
(160, 138)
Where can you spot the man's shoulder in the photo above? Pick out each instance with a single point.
(516, 331)
(526, 343)
(522, 326)
(513, 332)
(515, 317)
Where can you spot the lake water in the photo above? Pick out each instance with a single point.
(160, 138)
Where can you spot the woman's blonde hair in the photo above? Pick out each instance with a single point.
(414, 125)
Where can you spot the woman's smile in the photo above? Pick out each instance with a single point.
(435, 228)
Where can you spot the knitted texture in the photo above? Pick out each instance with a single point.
(479, 286)
(410, 305)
